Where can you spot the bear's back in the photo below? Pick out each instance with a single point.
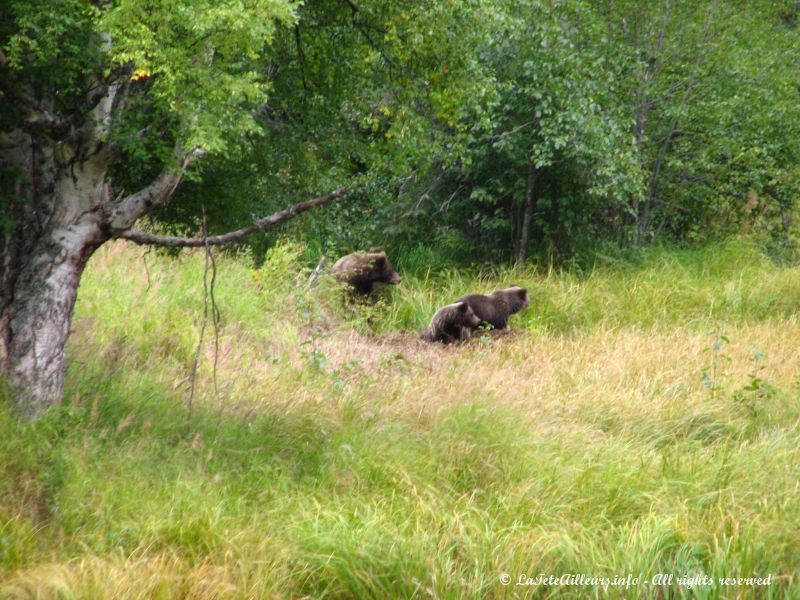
(491, 308)
(366, 272)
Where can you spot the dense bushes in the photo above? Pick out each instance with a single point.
(542, 128)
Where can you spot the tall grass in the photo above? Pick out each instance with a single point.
(642, 419)
(732, 282)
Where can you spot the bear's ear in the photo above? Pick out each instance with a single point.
(382, 253)
(380, 260)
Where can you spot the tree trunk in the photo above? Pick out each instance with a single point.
(56, 209)
(787, 224)
(527, 213)
(39, 316)
(643, 220)
(55, 227)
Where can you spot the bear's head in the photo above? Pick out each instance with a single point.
(467, 315)
(517, 298)
(384, 270)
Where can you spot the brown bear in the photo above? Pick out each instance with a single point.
(498, 306)
(451, 323)
(365, 272)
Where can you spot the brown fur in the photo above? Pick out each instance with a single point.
(451, 323)
(498, 306)
(365, 272)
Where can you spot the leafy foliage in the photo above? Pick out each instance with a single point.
(201, 57)
(640, 121)
(556, 112)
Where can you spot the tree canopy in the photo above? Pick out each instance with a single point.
(640, 122)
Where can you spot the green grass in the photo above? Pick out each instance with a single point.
(732, 282)
(644, 419)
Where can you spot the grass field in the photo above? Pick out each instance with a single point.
(638, 419)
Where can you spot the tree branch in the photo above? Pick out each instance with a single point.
(143, 238)
(129, 209)
(362, 28)
(505, 134)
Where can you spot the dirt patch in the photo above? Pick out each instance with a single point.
(375, 352)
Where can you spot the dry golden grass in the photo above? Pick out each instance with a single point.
(117, 578)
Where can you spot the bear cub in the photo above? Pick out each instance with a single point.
(451, 323)
(365, 272)
(498, 306)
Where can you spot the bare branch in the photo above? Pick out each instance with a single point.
(316, 272)
(125, 213)
(505, 134)
(141, 237)
(301, 56)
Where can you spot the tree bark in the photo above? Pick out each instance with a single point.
(787, 225)
(54, 229)
(40, 315)
(527, 213)
(58, 212)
